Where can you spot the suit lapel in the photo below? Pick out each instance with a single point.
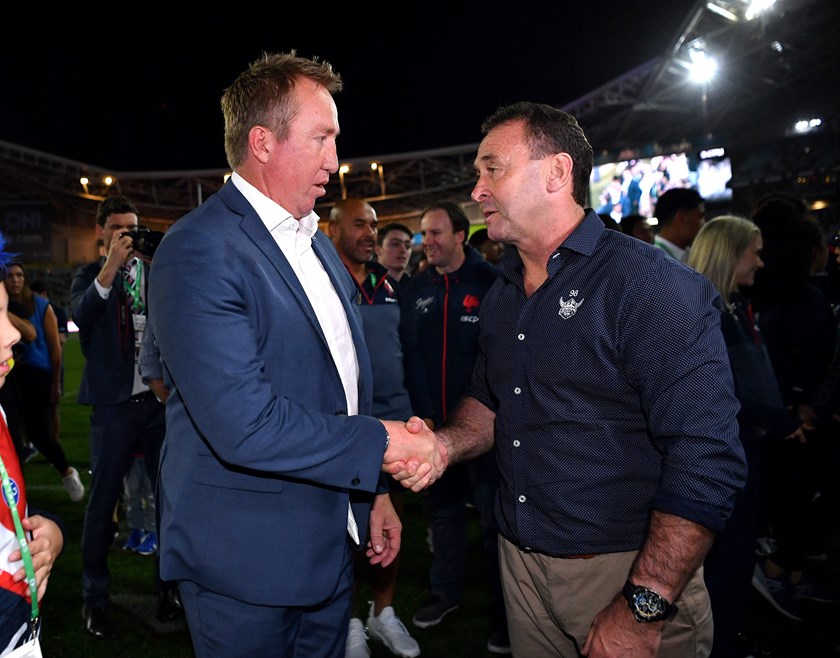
(256, 231)
(325, 251)
(262, 238)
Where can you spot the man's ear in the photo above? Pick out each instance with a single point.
(560, 167)
(260, 143)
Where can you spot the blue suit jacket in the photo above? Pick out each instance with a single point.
(260, 457)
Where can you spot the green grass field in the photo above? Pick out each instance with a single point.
(462, 634)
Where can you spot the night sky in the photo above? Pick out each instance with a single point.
(140, 92)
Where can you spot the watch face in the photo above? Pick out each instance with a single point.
(648, 605)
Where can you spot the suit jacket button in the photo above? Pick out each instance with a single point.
(340, 412)
(355, 482)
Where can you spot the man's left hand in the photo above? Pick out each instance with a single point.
(615, 633)
(385, 531)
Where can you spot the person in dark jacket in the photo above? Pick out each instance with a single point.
(727, 251)
(439, 330)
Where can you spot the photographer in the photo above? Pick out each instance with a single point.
(109, 305)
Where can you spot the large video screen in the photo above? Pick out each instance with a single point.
(633, 186)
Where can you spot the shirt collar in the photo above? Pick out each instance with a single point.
(272, 214)
(582, 239)
(675, 252)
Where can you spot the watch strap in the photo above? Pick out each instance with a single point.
(647, 605)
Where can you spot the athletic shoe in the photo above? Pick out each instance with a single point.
(73, 484)
(499, 641)
(135, 538)
(388, 629)
(433, 611)
(356, 645)
(778, 592)
(815, 591)
(27, 453)
(149, 545)
(765, 546)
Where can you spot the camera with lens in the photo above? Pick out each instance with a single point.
(144, 241)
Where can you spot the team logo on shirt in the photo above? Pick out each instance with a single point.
(470, 304)
(423, 305)
(569, 308)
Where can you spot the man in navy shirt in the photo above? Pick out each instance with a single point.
(603, 381)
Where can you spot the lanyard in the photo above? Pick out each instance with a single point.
(753, 327)
(133, 286)
(9, 496)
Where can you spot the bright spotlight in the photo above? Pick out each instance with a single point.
(806, 125)
(702, 67)
(756, 7)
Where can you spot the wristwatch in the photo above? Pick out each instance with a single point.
(646, 605)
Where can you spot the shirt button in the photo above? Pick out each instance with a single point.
(517, 390)
(521, 336)
(522, 499)
(516, 443)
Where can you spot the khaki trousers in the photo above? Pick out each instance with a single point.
(551, 603)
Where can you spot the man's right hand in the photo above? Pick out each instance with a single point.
(414, 455)
(120, 251)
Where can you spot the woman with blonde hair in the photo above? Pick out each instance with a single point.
(727, 250)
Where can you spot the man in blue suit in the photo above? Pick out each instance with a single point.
(271, 472)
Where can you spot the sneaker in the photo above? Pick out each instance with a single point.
(815, 591)
(135, 538)
(778, 592)
(149, 545)
(388, 629)
(433, 611)
(28, 452)
(499, 641)
(765, 546)
(74, 486)
(356, 645)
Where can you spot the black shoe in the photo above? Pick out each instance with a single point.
(499, 641)
(169, 605)
(433, 611)
(97, 623)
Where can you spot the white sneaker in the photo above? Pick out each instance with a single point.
(388, 629)
(74, 486)
(356, 646)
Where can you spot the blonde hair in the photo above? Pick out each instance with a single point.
(262, 95)
(718, 247)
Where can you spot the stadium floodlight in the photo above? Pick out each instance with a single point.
(722, 11)
(807, 125)
(757, 7)
(702, 67)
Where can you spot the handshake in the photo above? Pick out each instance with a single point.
(414, 456)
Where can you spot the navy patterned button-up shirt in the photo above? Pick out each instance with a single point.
(613, 396)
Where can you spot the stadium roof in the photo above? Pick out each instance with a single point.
(774, 70)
